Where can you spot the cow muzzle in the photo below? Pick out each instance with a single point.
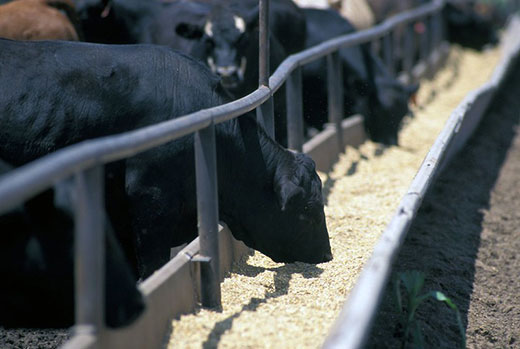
(231, 76)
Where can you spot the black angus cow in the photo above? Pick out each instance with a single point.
(222, 34)
(227, 41)
(465, 26)
(37, 263)
(117, 21)
(135, 21)
(69, 92)
(368, 87)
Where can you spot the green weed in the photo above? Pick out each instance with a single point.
(413, 282)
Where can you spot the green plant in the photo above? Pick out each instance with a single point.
(413, 282)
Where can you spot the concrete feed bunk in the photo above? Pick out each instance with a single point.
(266, 304)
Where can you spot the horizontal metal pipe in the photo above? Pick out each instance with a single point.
(27, 181)
(363, 36)
(31, 179)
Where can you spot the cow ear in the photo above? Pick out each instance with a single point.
(287, 193)
(411, 91)
(251, 18)
(189, 31)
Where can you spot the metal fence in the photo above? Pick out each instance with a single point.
(84, 161)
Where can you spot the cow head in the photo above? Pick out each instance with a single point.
(93, 8)
(384, 101)
(285, 218)
(387, 108)
(468, 28)
(223, 42)
(303, 230)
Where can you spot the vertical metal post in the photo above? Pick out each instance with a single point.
(409, 51)
(89, 244)
(265, 112)
(388, 53)
(398, 48)
(293, 87)
(207, 209)
(263, 69)
(335, 95)
(375, 47)
(437, 29)
(425, 39)
(265, 116)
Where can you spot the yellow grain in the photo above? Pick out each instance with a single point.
(271, 305)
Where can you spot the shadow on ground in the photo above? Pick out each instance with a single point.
(282, 278)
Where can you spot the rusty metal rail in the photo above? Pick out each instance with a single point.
(84, 161)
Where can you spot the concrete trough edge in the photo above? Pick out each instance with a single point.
(171, 291)
(352, 327)
(323, 148)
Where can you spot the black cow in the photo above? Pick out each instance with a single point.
(36, 268)
(68, 92)
(465, 26)
(368, 87)
(117, 21)
(228, 38)
(227, 41)
(222, 34)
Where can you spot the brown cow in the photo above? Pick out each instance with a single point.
(39, 20)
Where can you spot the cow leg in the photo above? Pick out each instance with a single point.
(117, 207)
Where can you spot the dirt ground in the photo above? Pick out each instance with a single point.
(22, 338)
(466, 240)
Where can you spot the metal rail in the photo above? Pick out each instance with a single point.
(84, 160)
(354, 322)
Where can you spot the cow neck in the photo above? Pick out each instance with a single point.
(248, 160)
(251, 157)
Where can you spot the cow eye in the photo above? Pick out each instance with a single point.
(210, 44)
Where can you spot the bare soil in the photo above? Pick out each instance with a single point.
(22, 338)
(467, 240)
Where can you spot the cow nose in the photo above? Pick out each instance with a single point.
(227, 71)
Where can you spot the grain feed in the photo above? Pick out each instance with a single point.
(271, 305)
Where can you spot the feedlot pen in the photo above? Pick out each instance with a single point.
(266, 304)
(270, 305)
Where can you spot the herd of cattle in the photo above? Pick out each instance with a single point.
(144, 62)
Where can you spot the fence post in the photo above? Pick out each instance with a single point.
(437, 29)
(409, 51)
(295, 130)
(89, 245)
(265, 112)
(388, 53)
(207, 209)
(425, 38)
(335, 95)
